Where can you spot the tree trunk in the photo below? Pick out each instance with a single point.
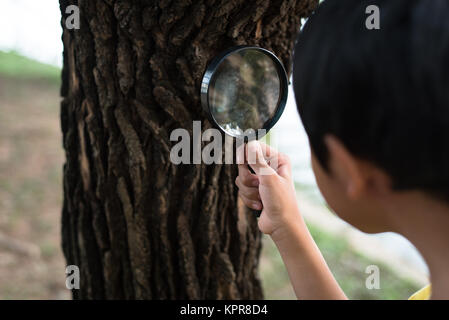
(138, 226)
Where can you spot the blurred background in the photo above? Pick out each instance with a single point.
(31, 158)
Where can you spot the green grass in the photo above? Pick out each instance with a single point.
(15, 66)
(31, 159)
(349, 268)
(347, 265)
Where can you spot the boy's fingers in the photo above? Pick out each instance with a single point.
(246, 177)
(256, 158)
(249, 192)
(242, 151)
(256, 205)
(277, 160)
(284, 166)
(240, 154)
(268, 151)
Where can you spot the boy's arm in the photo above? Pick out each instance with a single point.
(306, 267)
(273, 190)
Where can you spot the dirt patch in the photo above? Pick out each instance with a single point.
(31, 158)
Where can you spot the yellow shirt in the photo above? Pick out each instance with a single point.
(423, 294)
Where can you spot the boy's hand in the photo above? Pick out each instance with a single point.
(270, 189)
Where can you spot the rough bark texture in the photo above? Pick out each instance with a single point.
(138, 226)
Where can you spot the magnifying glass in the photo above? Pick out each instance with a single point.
(244, 92)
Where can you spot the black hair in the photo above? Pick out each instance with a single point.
(384, 93)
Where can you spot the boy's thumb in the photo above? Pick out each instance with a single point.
(256, 160)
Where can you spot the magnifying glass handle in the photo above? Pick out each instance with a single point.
(256, 212)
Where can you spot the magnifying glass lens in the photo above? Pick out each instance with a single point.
(244, 92)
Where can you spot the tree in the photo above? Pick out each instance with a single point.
(138, 226)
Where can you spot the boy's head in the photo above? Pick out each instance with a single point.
(375, 103)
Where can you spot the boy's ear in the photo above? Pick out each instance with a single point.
(356, 176)
(344, 167)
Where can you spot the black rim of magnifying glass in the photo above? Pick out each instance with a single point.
(209, 77)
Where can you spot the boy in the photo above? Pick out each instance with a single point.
(375, 106)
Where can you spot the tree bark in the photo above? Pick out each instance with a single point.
(138, 226)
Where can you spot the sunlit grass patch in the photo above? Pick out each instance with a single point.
(14, 65)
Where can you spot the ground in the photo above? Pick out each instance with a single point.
(31, 158)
